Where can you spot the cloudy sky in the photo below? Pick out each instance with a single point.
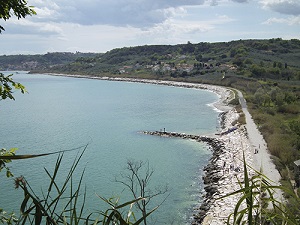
(101, 25)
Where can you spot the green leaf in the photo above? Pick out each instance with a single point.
(16, 157)
(24, 203)
(8, 173)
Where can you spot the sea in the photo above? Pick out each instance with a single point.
(107, 119)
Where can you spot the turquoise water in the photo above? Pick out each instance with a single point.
(61, 113)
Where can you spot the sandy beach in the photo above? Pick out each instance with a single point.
(226, 164)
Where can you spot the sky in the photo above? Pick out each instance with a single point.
(102, 25)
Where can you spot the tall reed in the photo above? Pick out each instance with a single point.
(258, 203)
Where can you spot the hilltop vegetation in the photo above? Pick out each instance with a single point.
(266, 71)
(40, 62)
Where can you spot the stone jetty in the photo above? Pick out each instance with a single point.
(212, 170)
(209, 140)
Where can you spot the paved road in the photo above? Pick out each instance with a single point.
(262, 159)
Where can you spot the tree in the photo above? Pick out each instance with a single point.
(6, 87)
(257, 71)
(137, 179)
(19, 8)
(295, 127)
(199, 57)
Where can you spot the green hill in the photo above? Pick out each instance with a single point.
(41, 62)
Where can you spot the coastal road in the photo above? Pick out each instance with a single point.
(262, 160)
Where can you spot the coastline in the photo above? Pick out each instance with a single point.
(225, 168)
(224, 172)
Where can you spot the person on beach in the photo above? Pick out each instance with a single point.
(231, 167)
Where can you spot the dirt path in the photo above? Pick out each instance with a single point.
(262, 160)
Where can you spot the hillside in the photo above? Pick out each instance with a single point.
(266, 71)
(41, 62)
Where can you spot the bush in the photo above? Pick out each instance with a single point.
(258, 117)
(284, 174)
(289, 108)
(267, 129)
(242, 119)
(279, 146)
(270, 111)
(279, 165)
(234, 101)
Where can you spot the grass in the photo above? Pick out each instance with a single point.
(64, 203)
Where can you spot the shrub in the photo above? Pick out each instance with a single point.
(279, 146)
(270, 111)
(267, 129)
(289, 108)
(242, 119)
(234, 101)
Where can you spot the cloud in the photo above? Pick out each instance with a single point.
(120, 13)
(291, 21)
(179, 30)
(15, 26)
(216, 2)
(289, 7)
(136, 13)
(240, 1)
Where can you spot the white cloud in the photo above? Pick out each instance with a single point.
(137, 13)
(142, 14)
(289, 7)
(51, 28)
(217, 2)
(293, 20)
(45, 12)
(240, 1)
(15, 26)
(179, 30)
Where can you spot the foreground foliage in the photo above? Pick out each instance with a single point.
(136, 179)
(7, 85)
(65, 203)
(18, 8)
(259, 202)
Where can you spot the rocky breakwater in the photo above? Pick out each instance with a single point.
(210, 140)
(213, 170)
(225, 173)
(212, 176)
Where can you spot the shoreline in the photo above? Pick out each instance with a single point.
(225, 168)
(223, 174)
